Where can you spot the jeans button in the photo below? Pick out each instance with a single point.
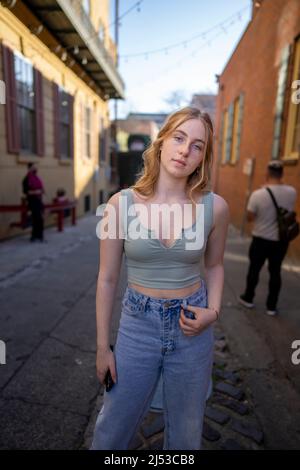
(167, 304)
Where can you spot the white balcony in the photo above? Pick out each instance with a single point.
(68, 22)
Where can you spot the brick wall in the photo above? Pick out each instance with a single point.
(253, 69)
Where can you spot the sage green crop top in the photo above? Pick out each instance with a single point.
(152, 264)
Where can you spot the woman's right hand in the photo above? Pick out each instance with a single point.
(105, 361)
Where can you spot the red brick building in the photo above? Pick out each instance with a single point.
(257, 117)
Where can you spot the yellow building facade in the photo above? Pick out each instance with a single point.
(58, 68)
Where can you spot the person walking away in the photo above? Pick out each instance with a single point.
(265, 243)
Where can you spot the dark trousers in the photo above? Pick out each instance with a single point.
(274, 251)
(36, 208)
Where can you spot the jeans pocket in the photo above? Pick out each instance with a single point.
(132, 306)
(188, 313)
(199, 300)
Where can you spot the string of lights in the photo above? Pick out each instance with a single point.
(224, 25)
(221, 28)
(177, 64)
(137, 5)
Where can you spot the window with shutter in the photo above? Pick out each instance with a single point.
(221, 137)
(39, 113)
(237, 127)
(292, 139)
(11, 108)
(2, 92)
(87, 133)
(224, 134)
(86, 6)
(56, 120)
(71, 118)
(63, 123)
(26, 103)
(101, 31)
(228, 143)
(281, 87)
(102, 142)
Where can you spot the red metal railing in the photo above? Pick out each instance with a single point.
(58, 208)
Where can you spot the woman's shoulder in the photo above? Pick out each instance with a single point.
(115, 200)
(220, 206)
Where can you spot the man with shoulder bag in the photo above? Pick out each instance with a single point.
(271, 208)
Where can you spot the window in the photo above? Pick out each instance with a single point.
(63, 117)
(101, 31)
(224, 135)
(231, 131)
(236, 131)
(292, 141)
(102, 142)
(87, 132)
(25, 95)
(64, 124)
(86, 6)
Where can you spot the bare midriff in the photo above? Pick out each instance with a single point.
(167, 293)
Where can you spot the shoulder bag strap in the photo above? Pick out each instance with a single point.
(273, 199)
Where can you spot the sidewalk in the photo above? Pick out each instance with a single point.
(49, 394)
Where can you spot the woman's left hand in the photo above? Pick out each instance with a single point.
(203, 318)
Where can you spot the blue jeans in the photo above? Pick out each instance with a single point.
(150, 344)
(157, 404)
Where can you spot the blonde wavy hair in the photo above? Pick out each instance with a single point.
(199, 179)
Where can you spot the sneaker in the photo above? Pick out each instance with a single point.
(244, 302)
(272, 313)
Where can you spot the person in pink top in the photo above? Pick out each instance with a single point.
(34, 189)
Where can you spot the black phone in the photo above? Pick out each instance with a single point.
(108, 381)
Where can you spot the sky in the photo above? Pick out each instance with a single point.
(207, 32)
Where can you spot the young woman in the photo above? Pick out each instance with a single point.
(168, 309)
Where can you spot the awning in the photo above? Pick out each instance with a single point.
(67, 21)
